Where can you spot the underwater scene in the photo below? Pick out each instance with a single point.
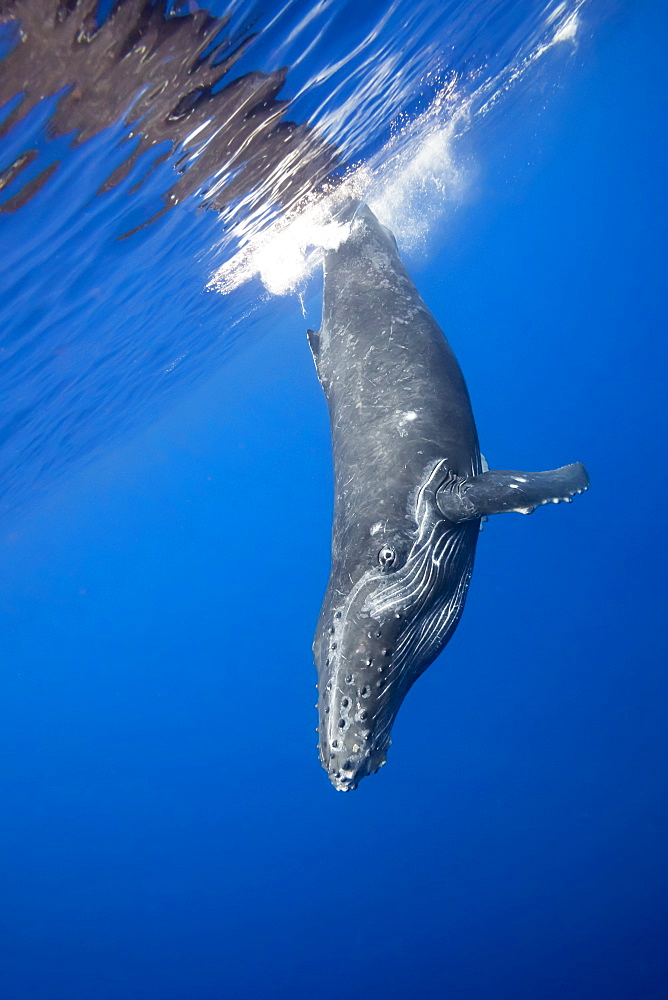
(296, 298)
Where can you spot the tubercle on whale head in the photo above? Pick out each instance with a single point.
(357, 694)
(354, 654)
(383, 621)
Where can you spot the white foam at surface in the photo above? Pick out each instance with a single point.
(568, 30)
(285, 255)
(409, 184)
(420, 186)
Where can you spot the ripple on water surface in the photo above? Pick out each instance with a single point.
(115, 129)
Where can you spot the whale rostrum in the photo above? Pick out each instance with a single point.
(411, 489)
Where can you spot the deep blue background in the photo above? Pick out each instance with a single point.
(166, 831)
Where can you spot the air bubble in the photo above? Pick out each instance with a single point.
(365, 692)
(345, 703)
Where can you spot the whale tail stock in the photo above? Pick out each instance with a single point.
(498, 492)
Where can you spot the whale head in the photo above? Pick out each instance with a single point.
(405, 592)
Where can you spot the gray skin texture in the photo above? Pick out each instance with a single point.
(409, 494)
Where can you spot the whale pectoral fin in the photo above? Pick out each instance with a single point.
(497, 492)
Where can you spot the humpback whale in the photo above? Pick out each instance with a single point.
(411, 489)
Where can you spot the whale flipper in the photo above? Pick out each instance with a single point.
(498, 492)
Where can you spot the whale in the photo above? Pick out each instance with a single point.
(411, 489)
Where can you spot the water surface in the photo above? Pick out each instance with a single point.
(167, 832)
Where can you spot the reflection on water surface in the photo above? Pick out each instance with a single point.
(142, 114)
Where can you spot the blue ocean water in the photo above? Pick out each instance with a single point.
(167, 832)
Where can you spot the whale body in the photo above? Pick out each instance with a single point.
(411, 488)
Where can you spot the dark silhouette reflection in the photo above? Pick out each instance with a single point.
(163, 75)
(96, 333)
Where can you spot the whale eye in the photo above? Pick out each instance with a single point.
(387, 557)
